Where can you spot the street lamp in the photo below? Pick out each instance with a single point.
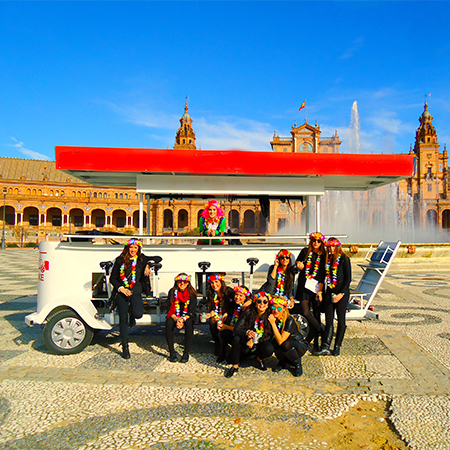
(4, 208)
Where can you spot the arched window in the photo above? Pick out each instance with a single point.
(99, 195)
(121, 196)
(95, 194)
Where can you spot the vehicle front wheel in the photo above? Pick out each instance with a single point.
(65, 333)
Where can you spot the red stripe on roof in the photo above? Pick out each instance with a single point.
(103, 159)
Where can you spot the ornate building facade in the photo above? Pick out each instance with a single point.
(429, 186)
(40, 201)
(305, 138)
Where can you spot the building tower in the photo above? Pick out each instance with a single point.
(185, 137)
(429, 184)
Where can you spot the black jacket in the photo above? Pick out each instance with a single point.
(270, 285)
(344, 277)
(142, 282)
(247, 322)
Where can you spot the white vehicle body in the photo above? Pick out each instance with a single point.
(67, 270)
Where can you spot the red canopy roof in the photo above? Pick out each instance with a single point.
(121, 166)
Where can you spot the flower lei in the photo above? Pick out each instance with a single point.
(331, 272)
(177, 306)
(308, 266)
(259, 327)
(280, 325)
(217, 309)
(133, 274)
(281, 277)
(236, 313)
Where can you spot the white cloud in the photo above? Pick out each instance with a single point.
(387, 122)
(233, 134)
(221, 133)
(27, 152)
(144, 116)
(356, 45)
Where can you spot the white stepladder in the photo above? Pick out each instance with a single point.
(375, 269)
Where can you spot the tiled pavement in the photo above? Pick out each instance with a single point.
(84, 400)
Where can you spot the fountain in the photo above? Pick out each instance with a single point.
(381, 213)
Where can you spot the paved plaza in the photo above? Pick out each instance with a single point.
(398, 366)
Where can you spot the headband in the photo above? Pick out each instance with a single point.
(262, 294)
(317, 235)
(333, 243)
(134, 241)
(183, 277)
(279, 300)
(242, 290)
(284, 253)
(215, 277)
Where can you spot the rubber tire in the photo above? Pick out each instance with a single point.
(84, 334)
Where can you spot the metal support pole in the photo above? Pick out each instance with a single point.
(148, 214)
(141, 215)
(4, 208)
(318, 224)
(307, 214)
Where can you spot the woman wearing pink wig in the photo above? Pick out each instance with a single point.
(212, 222)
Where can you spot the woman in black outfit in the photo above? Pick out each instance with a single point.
(252, 331)
(288, 342)
(183, 306)
(242, 300)
(338, 276)
(129, 278)
(311, 262)
(280, 276)
(219, 301)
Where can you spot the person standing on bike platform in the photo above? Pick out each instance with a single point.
(129, 278)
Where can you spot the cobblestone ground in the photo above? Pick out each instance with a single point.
(97, 400)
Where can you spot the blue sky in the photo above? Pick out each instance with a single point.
(117, 73)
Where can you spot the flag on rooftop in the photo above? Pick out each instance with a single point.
(303, 105)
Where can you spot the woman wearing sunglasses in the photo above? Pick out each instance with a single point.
(311, 262)
(280, 277)
(252, 332)
(242, 299)
(219, 303)
(287, 340)
(183, 305)
(338, 276)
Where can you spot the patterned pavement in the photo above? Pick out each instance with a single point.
(95, 399)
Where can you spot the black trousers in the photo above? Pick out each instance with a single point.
(341, 308)
(188, 335)
(215, 334)
(226, 338)
(290, 350)
(264, 349)
(123, 304)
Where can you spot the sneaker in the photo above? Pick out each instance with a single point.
(184, 359)
(173, 358)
